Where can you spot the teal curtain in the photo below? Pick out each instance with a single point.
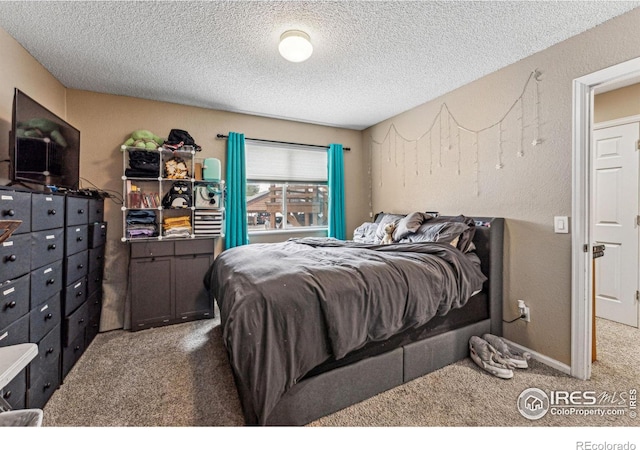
(236, 232)
(337, 216)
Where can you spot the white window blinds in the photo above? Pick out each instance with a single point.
(282, 162)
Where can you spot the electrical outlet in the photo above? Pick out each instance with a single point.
(524, 312)
(527, 314)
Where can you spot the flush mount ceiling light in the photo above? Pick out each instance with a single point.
(295, 46)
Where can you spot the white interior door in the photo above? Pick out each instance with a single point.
(615, 221)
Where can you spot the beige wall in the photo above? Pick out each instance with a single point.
(529, 191)
(18, 69)
(616, 104)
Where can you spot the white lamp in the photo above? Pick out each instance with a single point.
(295, 46)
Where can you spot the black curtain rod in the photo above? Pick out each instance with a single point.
(222, 136)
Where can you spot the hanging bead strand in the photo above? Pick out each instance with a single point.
(476, 164)
(536, 110)
(459, 148)
(499, 164)
(521, 122)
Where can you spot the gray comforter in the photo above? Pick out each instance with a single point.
(286, 308)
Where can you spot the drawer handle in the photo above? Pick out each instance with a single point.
(97, 279)
(7, 395)
(47, 386)
(81, 321)
(10, 258)
(79, 239)
(79, 294)
(10, 305)
(9, 212)
(49, 350)
(80, 266)
(98, 211)
(51, 212)
(52, 247)
(48, 316)
(76, 348)
(81, 211)
(50, 281)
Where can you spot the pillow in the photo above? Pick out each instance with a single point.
(379, 217)
(366, 233)
(447, 232)
(408, 224)
(383, 221)
(466, 238)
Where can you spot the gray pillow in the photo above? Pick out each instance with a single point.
(409, 224)
(446, 232)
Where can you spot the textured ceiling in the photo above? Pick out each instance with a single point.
(371, 60)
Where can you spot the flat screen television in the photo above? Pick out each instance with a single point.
(45, 149)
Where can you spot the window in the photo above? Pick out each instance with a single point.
(286, 187)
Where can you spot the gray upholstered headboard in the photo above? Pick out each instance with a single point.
(489, 241)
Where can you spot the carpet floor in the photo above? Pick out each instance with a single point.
(179, 376)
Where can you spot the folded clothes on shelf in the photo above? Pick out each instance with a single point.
(141, 223)
(177, 226)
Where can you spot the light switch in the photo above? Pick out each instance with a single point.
(561, 224)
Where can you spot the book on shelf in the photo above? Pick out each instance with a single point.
(137, 198)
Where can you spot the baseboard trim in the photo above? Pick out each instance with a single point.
(553, 363)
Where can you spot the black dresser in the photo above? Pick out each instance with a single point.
(45, 294)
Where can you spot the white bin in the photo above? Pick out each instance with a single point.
(21, 418)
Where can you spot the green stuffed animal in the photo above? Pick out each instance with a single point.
(144, 139)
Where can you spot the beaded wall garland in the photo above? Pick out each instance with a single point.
(446, 131)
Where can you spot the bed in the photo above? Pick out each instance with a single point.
(313, 325)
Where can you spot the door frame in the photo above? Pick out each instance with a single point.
(581, 276)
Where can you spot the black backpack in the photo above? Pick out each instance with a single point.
(178, 138)
(179, 196)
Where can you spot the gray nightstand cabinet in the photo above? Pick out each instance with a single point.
(166, 282)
